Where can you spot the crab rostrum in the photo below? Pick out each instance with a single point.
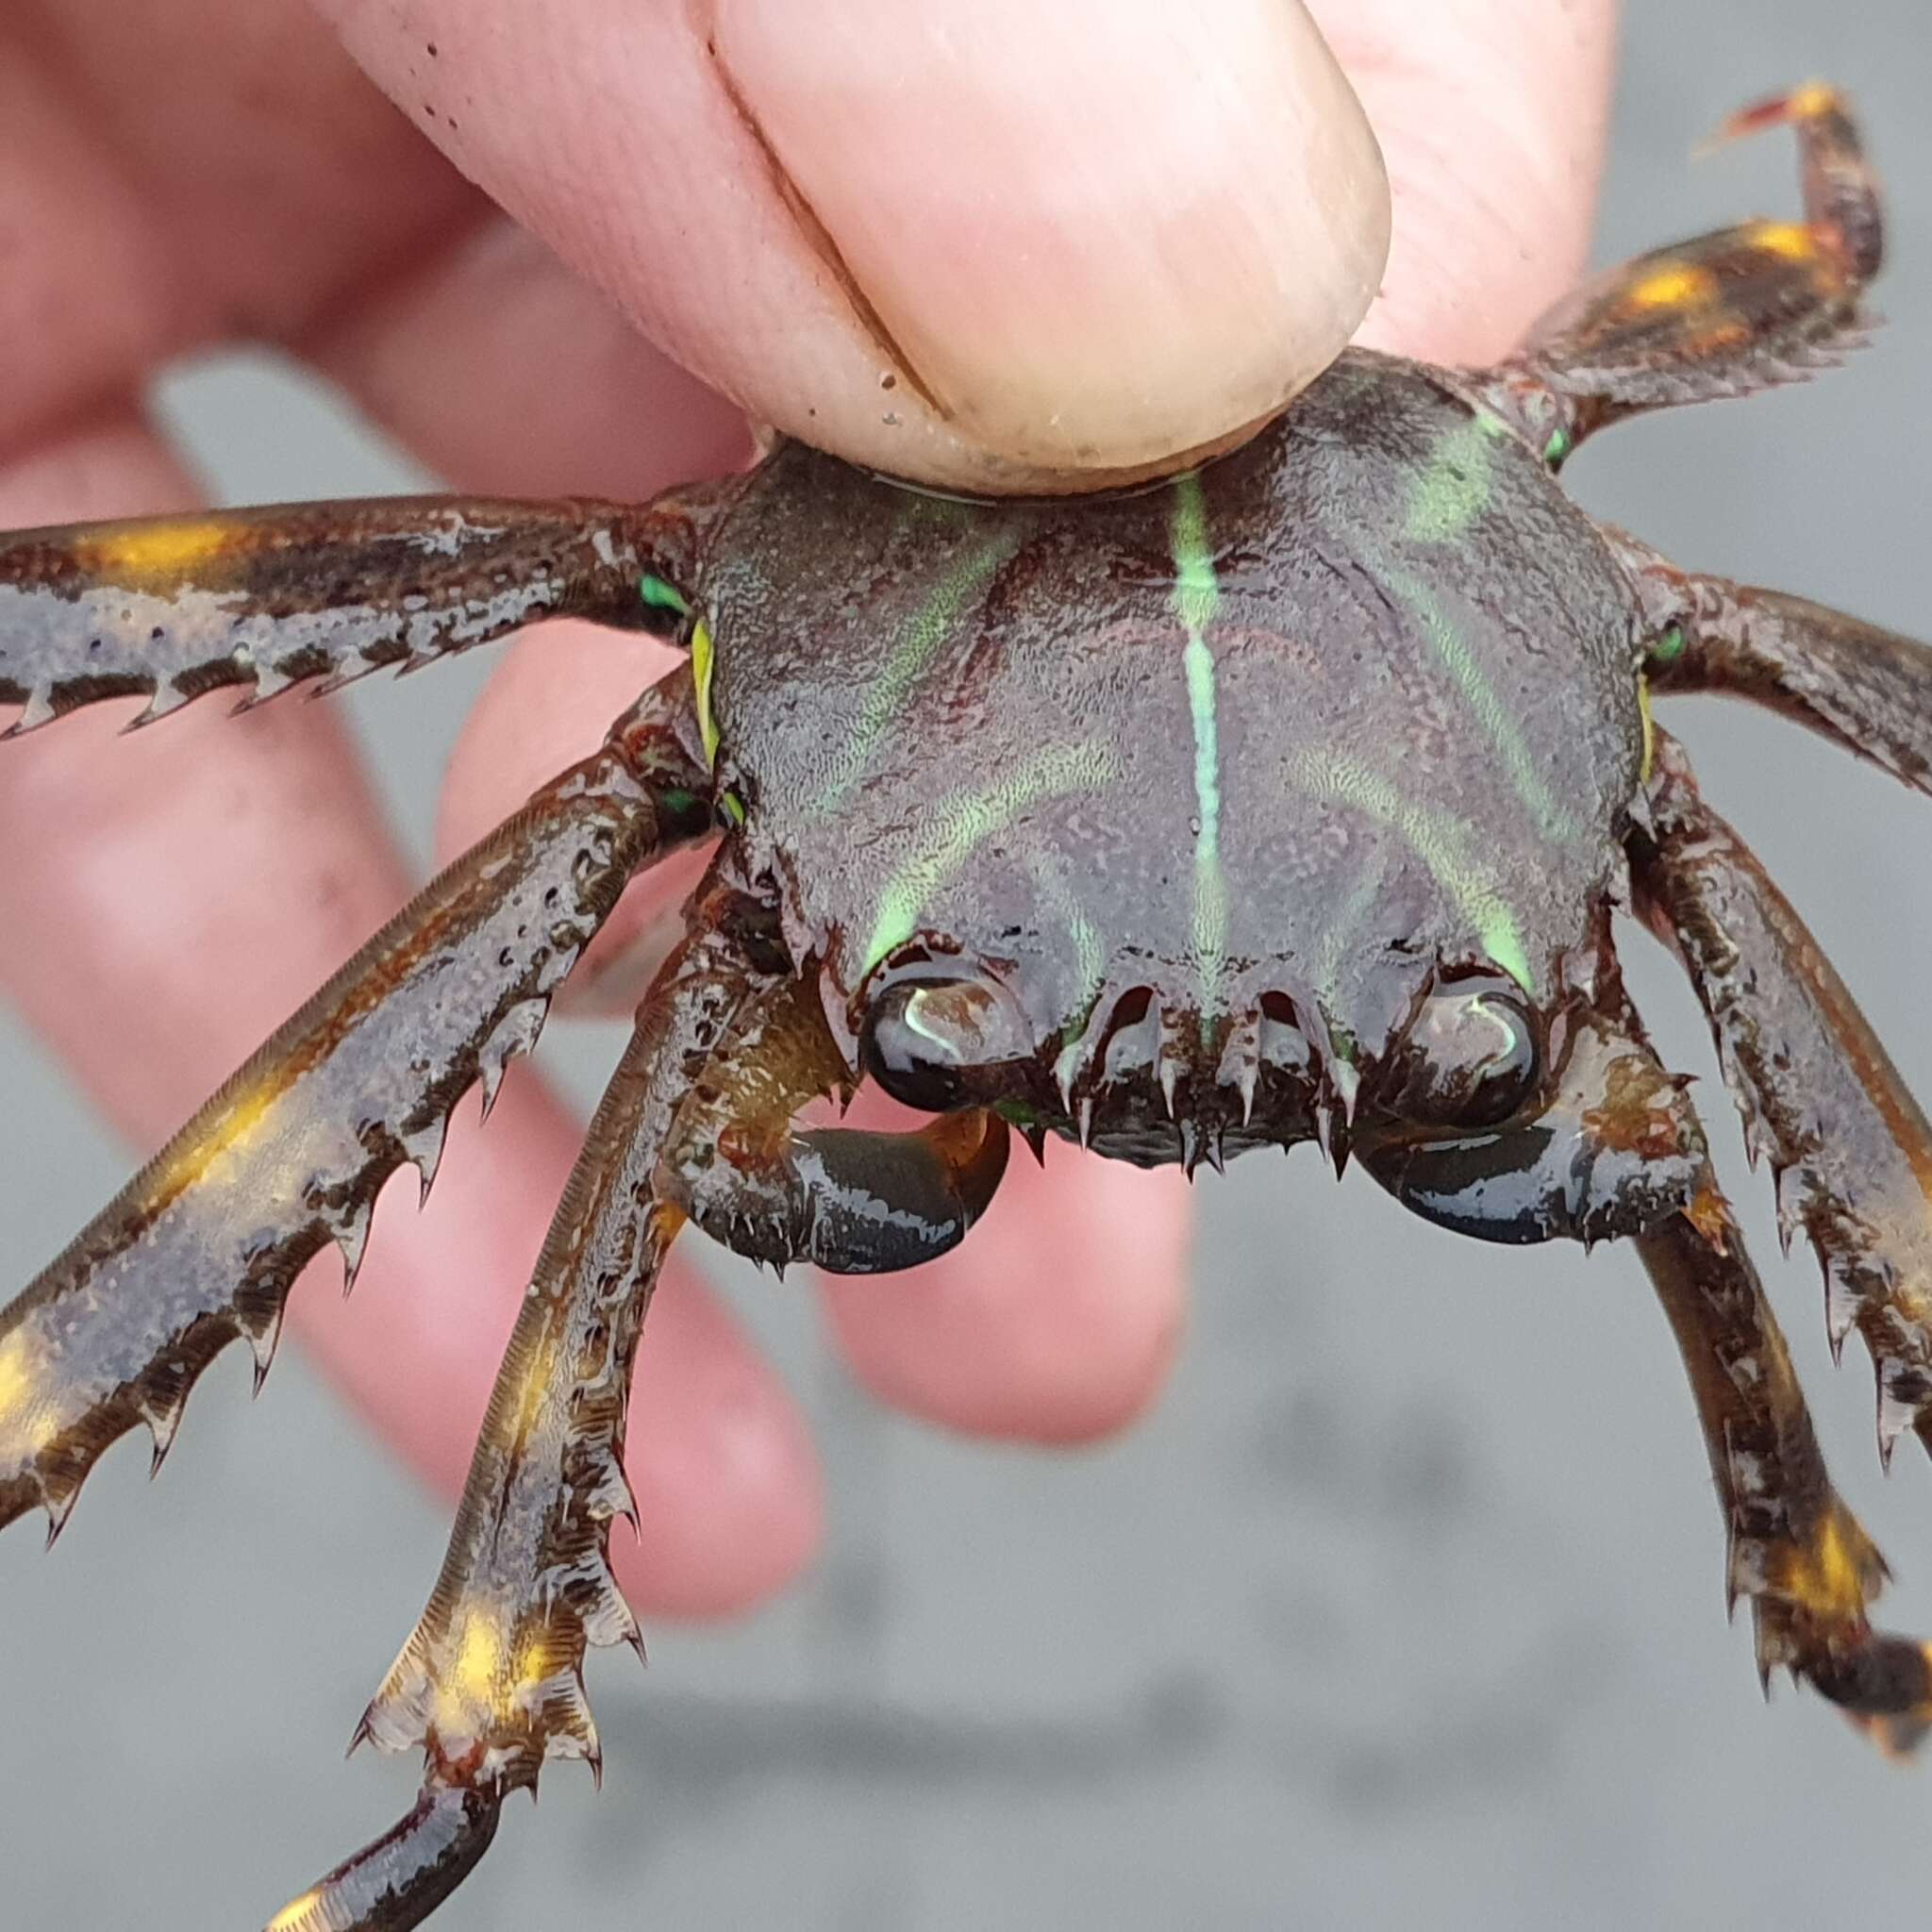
(1288, 800)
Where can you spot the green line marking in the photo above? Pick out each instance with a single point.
(661, 595)
(966, 820)
(1452, 488)
(1559, 445)
(1498, 724)
(1196, 598)
(1440, 841)
(970, 573)
(1670, 647)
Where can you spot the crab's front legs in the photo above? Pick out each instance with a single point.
(849, 1202)
(1615, 1150)
(1795, 1550)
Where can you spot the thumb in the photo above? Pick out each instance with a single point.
(988, 243)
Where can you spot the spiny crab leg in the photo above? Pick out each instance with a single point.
(1724, 314)
(1867, 687)
(1850, 1148)
(173, 606)
(490, 1683)
(204, 1243)
(1795, 1550)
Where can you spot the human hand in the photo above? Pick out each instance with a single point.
(175, 172)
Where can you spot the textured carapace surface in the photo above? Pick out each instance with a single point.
(1354, 705)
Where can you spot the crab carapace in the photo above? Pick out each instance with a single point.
(1289, 799)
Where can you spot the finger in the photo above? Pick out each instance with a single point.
(176, 169)
(184, 889)
(1174, 215)
(499, 367)
(1492, 116)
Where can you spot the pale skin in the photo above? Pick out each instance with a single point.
(176, 173)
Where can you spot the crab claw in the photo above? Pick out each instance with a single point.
(1615, 1151)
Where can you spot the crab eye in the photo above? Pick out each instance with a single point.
(925, 1037)
(1469, 1060)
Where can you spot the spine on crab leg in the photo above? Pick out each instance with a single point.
(1724, 314)
(491, 1682)
(1868, 688)
(850, 1202)
(1795, 1550)
(202, 1244)
(1850, 1147)
(172, 607)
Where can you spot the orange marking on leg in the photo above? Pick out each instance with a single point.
(1812, 101)
(1677, 285)
(147, 552)
(1791, 240)
(26, 1425)
(295, 1912)
(1836, 1575)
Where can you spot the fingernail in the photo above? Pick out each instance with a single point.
(1084, 236)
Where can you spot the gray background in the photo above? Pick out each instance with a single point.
(1407, 1602)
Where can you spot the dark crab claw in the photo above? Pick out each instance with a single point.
(1615, 1151)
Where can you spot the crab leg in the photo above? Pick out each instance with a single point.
(1796, 1551)
(204, 1243)
(173, 606)
(1849, 1145)
(1724, 314)
(849, 1202)
(1868, 688)
(491, 1684)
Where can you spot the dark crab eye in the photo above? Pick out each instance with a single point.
(924, 1039)
(1469, 1060)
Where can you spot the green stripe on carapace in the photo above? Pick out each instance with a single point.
(1453, 485)
(1441, 841)
(1196, 598)
(966, 820)
(917, 646)
(702, 665)
(1668, 647)
(1496, 722)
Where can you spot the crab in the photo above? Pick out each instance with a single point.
(1289, 799)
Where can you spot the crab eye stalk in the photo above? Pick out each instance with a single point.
(926, 1040)
(1469, 1060)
